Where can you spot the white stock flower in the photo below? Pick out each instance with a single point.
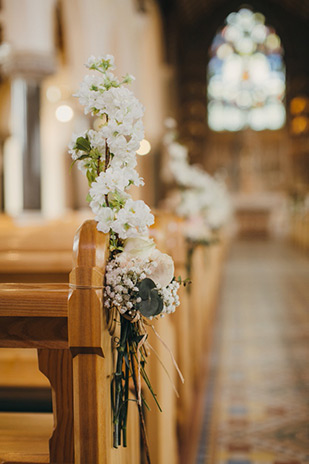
(113, 179)
(97, 140)
(88, 93)
(178, 152)
(92, 60)
(105, 217)
(133, 219)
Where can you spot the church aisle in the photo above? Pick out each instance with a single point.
(256, 405)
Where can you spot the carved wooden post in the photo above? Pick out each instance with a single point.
(57, 366)
(86, 327)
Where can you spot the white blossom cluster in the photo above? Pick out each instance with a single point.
(123, 274)
(201, 194)
(108, 158)
(119, 136)
(170, 297)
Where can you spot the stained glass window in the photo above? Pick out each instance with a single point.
(246, 75)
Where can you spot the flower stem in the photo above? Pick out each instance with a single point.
(106, 163)
(140, 410)
(119, 392)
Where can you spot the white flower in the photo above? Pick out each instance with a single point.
(163, 273)
(96, 140)
(112, 180)
(97, 61)
(177, 151)
(105, 218)
(139, 246)
(133, 219)
(89, 93)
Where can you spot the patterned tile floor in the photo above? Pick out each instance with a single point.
(257, 400)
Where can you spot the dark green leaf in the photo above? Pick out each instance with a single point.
(82, 144)
(152, 306)
(152, 303)
(144, 288)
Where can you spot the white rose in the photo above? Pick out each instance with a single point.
(141, 247)
(163, 273)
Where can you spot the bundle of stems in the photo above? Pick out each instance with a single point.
(129, 365)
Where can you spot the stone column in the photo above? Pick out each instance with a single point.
(28, 33)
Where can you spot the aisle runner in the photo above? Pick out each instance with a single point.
(257, 410)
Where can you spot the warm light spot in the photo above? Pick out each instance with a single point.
(298, 105)
(64, 113)
(53, 93)
(144, 148)
(300, 124)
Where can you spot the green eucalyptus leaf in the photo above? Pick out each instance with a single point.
(144, 288)
(152, 303)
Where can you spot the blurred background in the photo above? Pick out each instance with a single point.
(233, 80)
(235, 77)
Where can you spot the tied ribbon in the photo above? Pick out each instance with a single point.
(86, 287)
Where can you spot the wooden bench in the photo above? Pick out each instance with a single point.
(187, 333)
(31, 251)
(38, 252)
(74, 339)
(299, 229)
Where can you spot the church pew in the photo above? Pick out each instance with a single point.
(206, 271)
(168, 233)
(167, 402)
(192, 321)
(75, 349)
(32, 251)
(299, 230)
(38, 251)
(22, 440)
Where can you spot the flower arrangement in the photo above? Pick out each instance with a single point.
(201, 195)
(139, 280)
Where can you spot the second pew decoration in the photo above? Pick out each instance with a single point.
(200, 198)
(139, 280)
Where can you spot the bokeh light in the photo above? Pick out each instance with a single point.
(64, 113)
(144, 148)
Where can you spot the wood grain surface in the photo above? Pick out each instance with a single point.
(58, 368)
(22, 300)
(24, 437)
(33, 332)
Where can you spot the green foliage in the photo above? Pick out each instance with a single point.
(83, 144)
(184, 282)
(152, 303)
